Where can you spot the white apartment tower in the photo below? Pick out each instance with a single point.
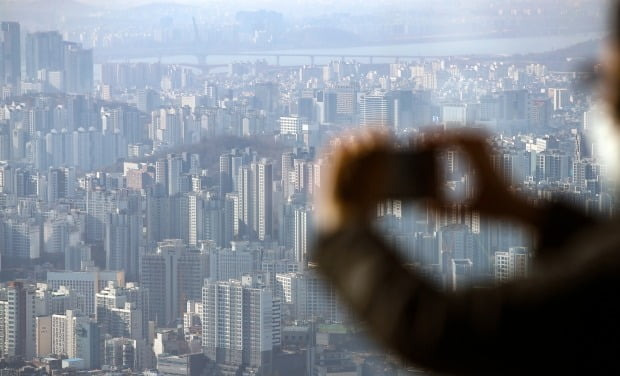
(264, 192)
(20, 324)
(511, 265)
(87, 284)
(239, 322)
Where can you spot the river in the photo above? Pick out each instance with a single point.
(488, 46)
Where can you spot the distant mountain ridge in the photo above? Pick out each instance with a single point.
(587, 49)
(578, 57)
(39, 15)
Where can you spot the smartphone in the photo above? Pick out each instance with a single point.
(411, 174)
(398, 174)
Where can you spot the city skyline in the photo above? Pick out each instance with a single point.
(158, 216)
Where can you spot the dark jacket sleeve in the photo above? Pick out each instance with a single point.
(547, 324)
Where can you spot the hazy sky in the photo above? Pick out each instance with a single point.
(240, 3)
(20, 9)
(320, 5)
(295, 6)
(57, 14)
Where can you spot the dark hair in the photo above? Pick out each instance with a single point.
(613, 79)
(614, 21)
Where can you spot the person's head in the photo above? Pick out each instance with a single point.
(610, 64)
(604, 129)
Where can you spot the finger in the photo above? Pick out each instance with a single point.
(371, 139)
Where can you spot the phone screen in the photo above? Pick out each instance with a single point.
(412, 174)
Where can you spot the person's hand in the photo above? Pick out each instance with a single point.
(493, 195)
(356, 169)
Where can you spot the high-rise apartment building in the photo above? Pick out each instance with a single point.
(75, 335)
(10, 54)
(458, 241)
(22, 239)
(49, 302)
(123, 312)
(238, 324)
(161, 174)
(193, 209)
(266, 96)
(99, 203)
(158, 217)
(288, 185)
(403, 109)
(175, 169)
(87, 284)
(514, 264)
(172, 275)
(121, 354)
(43, 336)
(376, 110)
(461, 273)
(327, 102)
(248, 198)
(121, 242)
(513, 107)
(56, 184)
(226, 175)
(256, 204)
(20, 324)
(78, 69)
(4, 309)
(560, 98)
(44, 51)
(303, 230)
(263, 171)
(213, 222)
(308, 296)
(291, 125)
(225, 264)
(539, 113)
(148, 100)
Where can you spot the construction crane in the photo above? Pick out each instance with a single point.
(200, 56)
(196, 34)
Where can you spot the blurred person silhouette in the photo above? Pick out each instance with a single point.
(563, 319)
